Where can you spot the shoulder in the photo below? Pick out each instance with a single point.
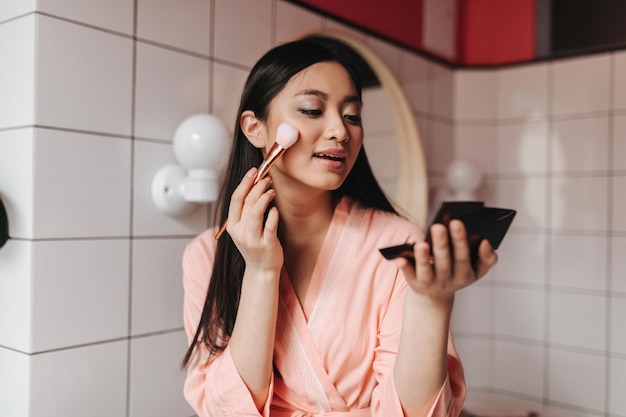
(199, 254)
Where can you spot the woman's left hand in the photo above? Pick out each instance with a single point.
(440, 276)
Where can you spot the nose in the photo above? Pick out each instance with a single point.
(336, 129)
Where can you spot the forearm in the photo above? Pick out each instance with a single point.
(252, 340)
(421, 364)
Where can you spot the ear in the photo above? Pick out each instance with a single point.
(253, 128)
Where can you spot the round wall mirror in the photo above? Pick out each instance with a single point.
(392, 140)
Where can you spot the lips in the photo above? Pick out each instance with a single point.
(333, 155)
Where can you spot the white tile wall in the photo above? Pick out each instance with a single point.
(581, 85)
(226, 80)
(470, 143)
(619, 143)
(519, 368)
(17, 72)
(618, 264)
(170, 86)
(156, 304)
(415, 75)
(115, 15)
(580, 145)
(526, 195)
(16, 262)
(477, 358)
(522, 92)
(474, 95)
(619, 87)
(12, 9)
(577, 379)
(579, 262)
(521, 148)
(619, 203)
(80, 292)
(579, 203)
(84, 78)
(16, 180)
(167, 23)
(14, 383)
(88, 381)
(80, 196)
(473, 310)
(618, 325)
(617, 400)
(520, 313)
(572, 325)
(514, 254)
(243, 30)
(293, 22)
(156, 382)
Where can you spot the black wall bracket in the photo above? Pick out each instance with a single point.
(4, 225)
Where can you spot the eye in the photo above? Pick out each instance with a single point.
(311, 112)
(353, 118)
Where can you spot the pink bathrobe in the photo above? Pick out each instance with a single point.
(334, 353)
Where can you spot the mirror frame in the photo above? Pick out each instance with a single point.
(411, 198)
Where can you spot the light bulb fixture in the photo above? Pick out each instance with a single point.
(463, 179)
(200, 145)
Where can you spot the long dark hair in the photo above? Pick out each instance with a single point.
(266, 79)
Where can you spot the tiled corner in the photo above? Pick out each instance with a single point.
(14, 383)
(618, 264)
(15, 297)
(388, 53)
(579, 203)
(96, 307)
(580, 145)
(521, 313)
(617, 381)
(443, 93)
(474, 95)
(473, 310)
(574, 326)
(115, 15)
(16, 180)
(619, 143)
(170, 87)
(440, 151)
(477, 358)
(157, 291)
(17, 74)
(579, 262)
(168, 23)
(86, 381)
(415, 74)
(149, 157)
(581, 85)
(156, 382)
(522, 92)
(521, 148)
(519, 368)
(587, 392)
(15, 8)
(619, 82)
(247, 40)
(470, 143)
(618, 325)
(293, 21)
(526, 195)
(619, 204)
(81, 185)
(84, 78)
(513, 255)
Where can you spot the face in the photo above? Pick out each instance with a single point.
(323, 104)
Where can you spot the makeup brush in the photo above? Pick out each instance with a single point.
(286, 136)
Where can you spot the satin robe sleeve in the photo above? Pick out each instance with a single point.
(213, 386)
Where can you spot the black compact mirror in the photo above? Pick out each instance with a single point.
(4, 225)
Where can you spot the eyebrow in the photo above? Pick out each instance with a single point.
(324, 96)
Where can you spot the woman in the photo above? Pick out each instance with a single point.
(294, 312)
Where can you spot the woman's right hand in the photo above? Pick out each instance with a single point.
(256, 240)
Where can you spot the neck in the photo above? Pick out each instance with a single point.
(305, 215)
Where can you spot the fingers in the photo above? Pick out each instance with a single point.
(249, 203)
(441, 250)
(487, 258)
(460, 247)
